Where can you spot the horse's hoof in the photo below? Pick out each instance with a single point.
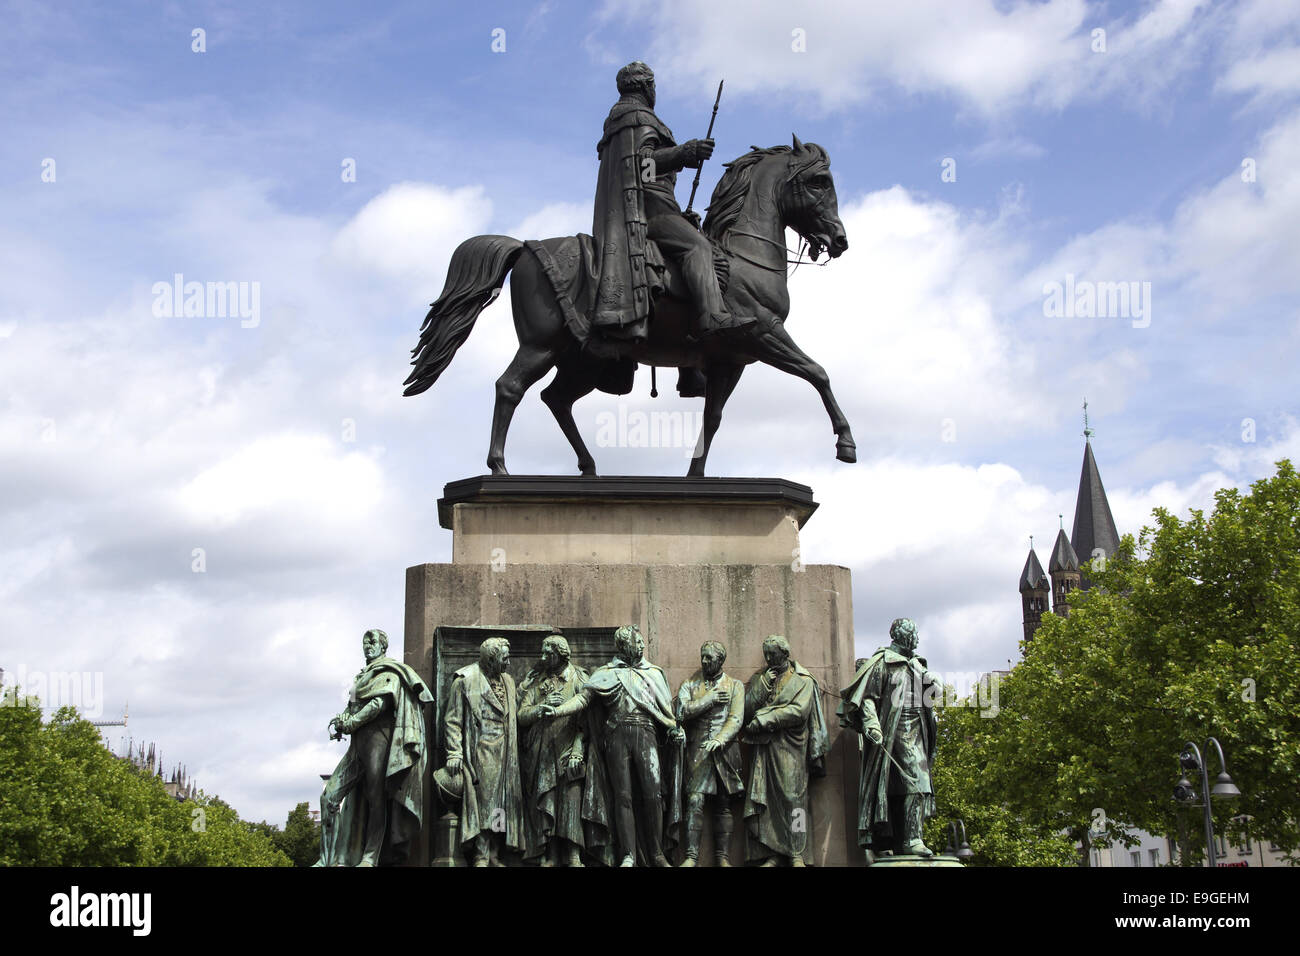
(499, 469)
(588, 472)
(846, 451)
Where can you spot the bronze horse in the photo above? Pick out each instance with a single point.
(760, 194)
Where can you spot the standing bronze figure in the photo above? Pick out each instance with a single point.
(594, 308)
(553, 755)
(787, 731)
(640, 740)
(891, 704)
(373, 805)
(480, 730)
(711, 708)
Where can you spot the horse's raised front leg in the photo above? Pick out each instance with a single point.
(572, 381)
(530, 363)
(775, 347)
(722, 381)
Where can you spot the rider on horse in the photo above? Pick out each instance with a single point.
(635, 202)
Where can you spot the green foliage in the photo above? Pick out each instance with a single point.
(300, 838)
(69, 802)
(1188, 633)
(966, 789)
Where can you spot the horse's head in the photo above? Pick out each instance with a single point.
(784, 186)
(808, 202)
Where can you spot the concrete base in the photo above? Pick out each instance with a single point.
(677, 605)
(907, 860)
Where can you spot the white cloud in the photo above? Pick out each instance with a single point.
(990, 57)
(1276, 71)
(410, 228)
(298, 478)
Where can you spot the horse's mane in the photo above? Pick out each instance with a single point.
(729, 195)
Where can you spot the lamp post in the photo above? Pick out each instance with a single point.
(1224, 789)
(957, 845)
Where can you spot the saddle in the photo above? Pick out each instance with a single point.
(571, 268)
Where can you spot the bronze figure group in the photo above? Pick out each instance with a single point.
(610, 767)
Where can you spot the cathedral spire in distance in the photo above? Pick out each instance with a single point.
(1094, 533)
(1033, 592)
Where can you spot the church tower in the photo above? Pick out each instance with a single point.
(1064, 569)
(1094, 536)
(1033, 592)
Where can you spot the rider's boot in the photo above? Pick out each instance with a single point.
(710, 323)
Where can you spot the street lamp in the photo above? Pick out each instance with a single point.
(1187, 793)
(957, 845)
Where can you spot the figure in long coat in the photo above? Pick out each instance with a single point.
(711, 709)
(553, 756)
(787, 731)
(891, 704)
(640, 741)
(373, 805)
(482, 740)
(636, 202)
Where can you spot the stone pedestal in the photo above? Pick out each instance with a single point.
(687, 560)
(910, 861)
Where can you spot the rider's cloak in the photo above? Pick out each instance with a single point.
(619, 224)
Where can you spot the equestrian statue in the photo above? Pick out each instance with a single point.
(650, 285)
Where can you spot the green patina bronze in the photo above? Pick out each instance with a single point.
(482, 770)
(785, 727)
(553, 758)
(711, 708)
(373, 805)
(634, 727)
(890, 703)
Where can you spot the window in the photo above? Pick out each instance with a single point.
(1135, 858)
(1154, 854)
(1246, 847)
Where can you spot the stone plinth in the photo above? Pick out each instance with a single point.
(910, 861)
(662, 566)
(644, 521)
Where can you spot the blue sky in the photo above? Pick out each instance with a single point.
(127, 440)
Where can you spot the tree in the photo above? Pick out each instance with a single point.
(300, 838)
(967, 790)
(70, 802)
(1189, 632)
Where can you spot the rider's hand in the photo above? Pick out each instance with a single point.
(453, 765)
(693, 218)
(696, 151)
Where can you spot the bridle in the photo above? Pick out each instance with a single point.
(795, 181)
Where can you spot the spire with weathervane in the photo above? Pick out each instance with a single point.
(1094, 536)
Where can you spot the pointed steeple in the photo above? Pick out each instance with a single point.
(1094, 527)
(1033, 592)
(1064, 567)
(1063, 557)
(1032, 577)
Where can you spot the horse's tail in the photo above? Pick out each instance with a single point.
(477, 271)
